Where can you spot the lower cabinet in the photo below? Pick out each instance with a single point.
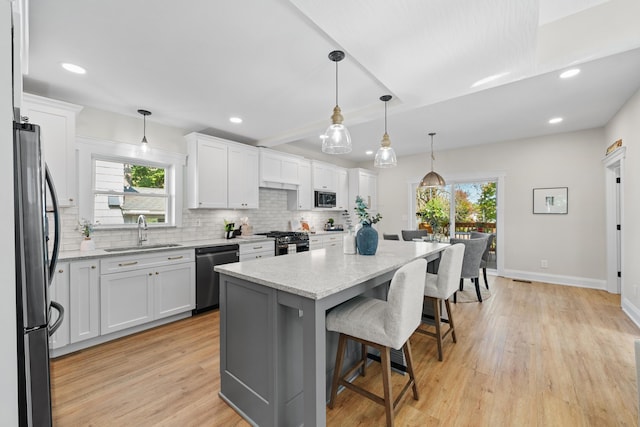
(84, 300)
(141, 295)
(249, 251)
(334, 240)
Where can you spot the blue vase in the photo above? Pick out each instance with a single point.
(367, 240)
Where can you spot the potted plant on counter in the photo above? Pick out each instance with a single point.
(367, 237)
(86, 228)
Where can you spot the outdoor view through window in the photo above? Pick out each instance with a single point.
(123, 191)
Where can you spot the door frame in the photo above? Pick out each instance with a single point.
(613, 162)
(499, 177)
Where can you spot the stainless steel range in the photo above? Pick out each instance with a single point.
(287, 242)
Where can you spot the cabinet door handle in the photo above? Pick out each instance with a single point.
(124, 264)
(257, 247)
(174, 257)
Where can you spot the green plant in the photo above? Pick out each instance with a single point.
(363, 215)
(228, 226)
(86, 228)
(434, 212)
(330, 221)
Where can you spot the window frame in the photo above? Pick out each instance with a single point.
(90, 149)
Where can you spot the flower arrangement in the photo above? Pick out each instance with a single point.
(363, 215)
(347, 220)
(86, 228)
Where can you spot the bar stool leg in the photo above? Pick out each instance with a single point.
(386, 384)
(342, 341)
(409, 358)
(437, 318)
(453, 328)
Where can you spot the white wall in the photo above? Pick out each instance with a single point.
(8, 351)
(626, 126)
(573, 244)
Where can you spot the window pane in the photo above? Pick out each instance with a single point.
(142, 192)
(432, 209)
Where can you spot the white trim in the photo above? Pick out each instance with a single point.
(611, 162)
(88, 148)
(555, 279)
(631, 311)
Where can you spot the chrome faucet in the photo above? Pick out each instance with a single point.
(142, 229)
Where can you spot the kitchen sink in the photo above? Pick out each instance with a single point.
(137, 248)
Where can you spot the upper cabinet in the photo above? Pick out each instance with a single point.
(324, 176)
(221, 173)
(363, 183)
(57, 122)
(243, 177)
(342, 192)
(301, 199)
(279, 170)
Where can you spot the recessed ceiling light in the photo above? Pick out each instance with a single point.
(368, 152)
(489, 79)
(570, 73)
(73, 68)
(235, 120)
(555, 120)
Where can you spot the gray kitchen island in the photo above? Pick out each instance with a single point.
(274, 346)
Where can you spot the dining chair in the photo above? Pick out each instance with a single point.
(474, 248)
(409, 235)
(387, 236)
(440, 287)
(382, 325)
(485, 256)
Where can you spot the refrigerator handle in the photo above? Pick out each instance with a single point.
(53, 328)
(56, 224)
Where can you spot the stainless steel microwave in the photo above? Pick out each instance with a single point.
(324, 199)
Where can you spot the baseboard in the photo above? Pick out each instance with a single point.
(631, 311)
(580, 282)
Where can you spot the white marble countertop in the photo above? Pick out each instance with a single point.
(101, 253)
(319, 273)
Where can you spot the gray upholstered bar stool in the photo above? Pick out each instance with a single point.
(440, 287)
(485, 255)
(382, 325)
(474, 248)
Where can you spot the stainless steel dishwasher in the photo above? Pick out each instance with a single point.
(207, 280)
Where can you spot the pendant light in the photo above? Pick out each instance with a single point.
(144, 142)
(432, 179)
(336, 140)
(386, 156)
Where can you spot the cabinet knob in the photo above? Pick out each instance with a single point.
(71, 199)
(157, 273)
(61, 271)
(93, 267)
(150, 274)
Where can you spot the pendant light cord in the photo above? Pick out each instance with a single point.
(385, 116)
(337, 83)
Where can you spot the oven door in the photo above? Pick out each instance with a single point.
(302, 246)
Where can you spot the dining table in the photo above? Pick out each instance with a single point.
(275, 352)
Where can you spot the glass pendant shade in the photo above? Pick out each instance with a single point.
(386, 155)
(336, 140)
(432, 179)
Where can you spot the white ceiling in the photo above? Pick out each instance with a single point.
(196, 63)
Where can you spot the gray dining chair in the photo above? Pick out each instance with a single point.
(485, 256)
(440, 287)
(387, 236)
(409, 235)
(382, 325)
(474, 248)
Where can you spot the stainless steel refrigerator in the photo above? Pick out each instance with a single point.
(34, 271)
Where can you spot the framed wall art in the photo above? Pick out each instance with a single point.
(551, 200)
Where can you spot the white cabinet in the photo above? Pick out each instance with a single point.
(342, 192)
(59, 292)
(324, 176)
(138, 289)
(249, 251)
(363, 183)
(302, 198)
(330, 241)
(84, 300)
(207, 172)
(243, 177)
(221, 173)
(278, 170)
(57, 122)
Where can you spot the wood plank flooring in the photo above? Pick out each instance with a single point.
(531, 355)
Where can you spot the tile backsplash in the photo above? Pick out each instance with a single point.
(199, 224)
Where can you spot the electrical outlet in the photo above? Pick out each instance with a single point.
(544, 263)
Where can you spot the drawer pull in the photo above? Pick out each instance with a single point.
(175, 257)
(257, 247)
(124, 264)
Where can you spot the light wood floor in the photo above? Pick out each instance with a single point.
(531, 355)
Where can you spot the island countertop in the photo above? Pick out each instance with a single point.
(320, 273)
